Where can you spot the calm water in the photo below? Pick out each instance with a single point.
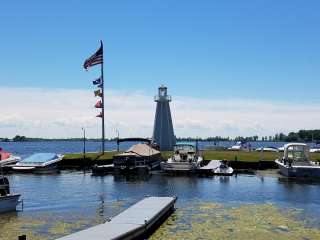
(55, 205)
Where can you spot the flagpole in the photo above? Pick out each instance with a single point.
(102, 79)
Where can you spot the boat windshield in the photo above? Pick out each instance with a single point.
(40, 158)
(298, 153)
(185, 147)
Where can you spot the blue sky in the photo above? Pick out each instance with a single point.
(257, 50)
(251, 49)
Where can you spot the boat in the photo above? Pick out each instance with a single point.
(39, 163)
(223, 169)
(102, 169)
(8, 158)
(139, 157)
(185, 159)
(296, 162)
(241, 146)
(8, 200)
(267, 149)
(315, 148)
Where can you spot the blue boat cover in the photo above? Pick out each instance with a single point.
(40, 157)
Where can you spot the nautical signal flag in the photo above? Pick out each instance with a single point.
(96, 58)
(98, 93)
(99, 115)
(97, 81)
(98, 104)
(100, 85)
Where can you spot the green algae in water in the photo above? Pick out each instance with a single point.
(47, 226)
(216, 221)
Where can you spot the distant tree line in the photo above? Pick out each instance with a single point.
(300, 136)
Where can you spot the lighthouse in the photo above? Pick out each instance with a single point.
(163, 134)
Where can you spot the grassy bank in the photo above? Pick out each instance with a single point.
(76, 159)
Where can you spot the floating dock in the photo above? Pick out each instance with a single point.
(136, 222)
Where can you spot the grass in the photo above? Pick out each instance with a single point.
(90, 156)
(208, 155)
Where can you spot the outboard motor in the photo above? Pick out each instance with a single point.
(4, 186)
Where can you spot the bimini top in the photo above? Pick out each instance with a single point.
(295, 144)
(185, 146)
(296, 151)
(40, 158)
(140, 150)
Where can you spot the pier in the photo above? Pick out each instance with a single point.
(137, 221)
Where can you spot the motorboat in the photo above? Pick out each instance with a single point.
(185, 159)
(267, 149)
(39, 163)
(241, 146)
(102, 169)
(223, 169)
(140, 157)
(8, 158)
(296, 162)
(8, 200)
(315, 148)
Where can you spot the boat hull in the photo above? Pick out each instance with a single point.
(53, 168)
(178, 167)
(299, 171)
(223, 171)
(9, 203)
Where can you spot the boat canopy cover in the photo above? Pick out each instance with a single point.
(296, 151)
(140, 150)
(40, 157)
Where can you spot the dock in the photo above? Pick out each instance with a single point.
(136, 222)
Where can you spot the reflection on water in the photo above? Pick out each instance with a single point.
(238, 206)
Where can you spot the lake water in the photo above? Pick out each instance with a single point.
(260, 206)
(26, 148)
(55, 205)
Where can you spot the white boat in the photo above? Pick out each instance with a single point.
(8, 201)
(39, 163)
(185, 159)
(241, 146)
(296, 162)
(267, 149)
(8, 158)
(315, 148)
(223, 169)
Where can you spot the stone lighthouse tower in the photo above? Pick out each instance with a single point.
(163, 134)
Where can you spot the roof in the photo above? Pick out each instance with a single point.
(295, 144)
(140, 149)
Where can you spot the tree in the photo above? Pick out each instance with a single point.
(19, 138)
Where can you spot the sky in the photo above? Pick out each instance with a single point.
(232, 67)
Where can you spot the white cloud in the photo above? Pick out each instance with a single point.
(62, 112)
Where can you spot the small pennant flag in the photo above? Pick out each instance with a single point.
(99, 115)
(98, 93)
(97, 81)
(98, 104)
(95, 59)
(100, 85)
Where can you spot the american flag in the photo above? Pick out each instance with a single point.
(95, 59)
